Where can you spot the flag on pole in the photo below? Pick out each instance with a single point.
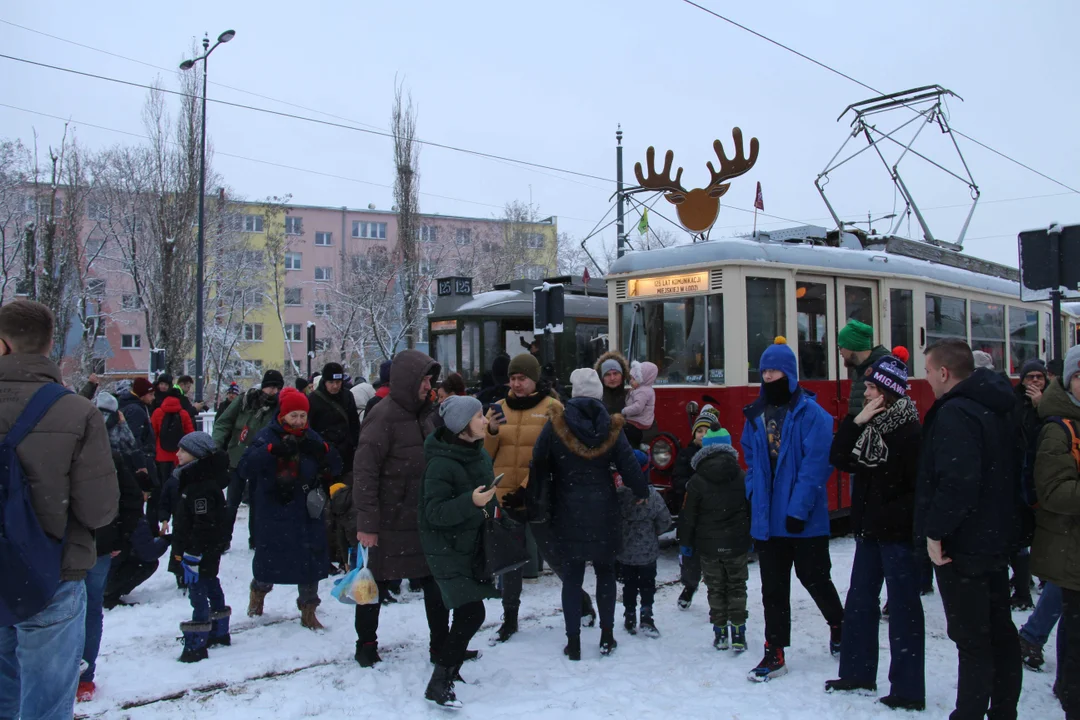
(759, 201)
(643, 223)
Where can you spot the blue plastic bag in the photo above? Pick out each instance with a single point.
(358, 586)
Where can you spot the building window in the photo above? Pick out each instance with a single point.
(534, 241)
(97, 211)
(130, 342)
(97, 366)
(230, 221)
(325, 274)
(253, 223)
(253, 332)
(427, 234)
(324, 239)
(294, 225)
(369, 230)
(294, 260)
(535, 272)
(463, 236)
(322, 309)
(294, 296)
(293, 332)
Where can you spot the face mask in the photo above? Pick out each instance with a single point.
(777, 391)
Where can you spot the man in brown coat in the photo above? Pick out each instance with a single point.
(67, 465)
(388, 470)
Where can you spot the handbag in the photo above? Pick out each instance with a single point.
(502, 549)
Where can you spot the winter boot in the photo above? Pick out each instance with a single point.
(898, 703)
(509, 626)
(738, 638)
(85, 693)
(648, 627)
(367, 654)
(196, 635)
(573, 647)
(1021, 600)
(843, 685)
(588, 612)
(630, 622)
(307, 615)
(771, 666)
(255, 602)
(219, 633)
(686, 597)
(440, 688)
(469, 655)
(607, 641)
(720, 637)
(1031, 654)
(835, 637)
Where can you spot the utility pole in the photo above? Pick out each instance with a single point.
(619, 225)
(1054, 234)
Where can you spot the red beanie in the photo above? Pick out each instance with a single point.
(141, 386)
(291, 400)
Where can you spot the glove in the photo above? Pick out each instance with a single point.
(286, 447)
(686, 551)
(313, 447)
(190, 563)
(794, 525)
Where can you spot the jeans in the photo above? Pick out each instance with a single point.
(95, 595)
(39, 658)
(639, 579)
(606, 594)
(894, 564)
(467, 621)
(366, 621)
(979, 621)
(810, 557)
(206, 595)
(1068, 671)
(1043, 618)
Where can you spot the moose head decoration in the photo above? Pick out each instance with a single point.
(697, 209)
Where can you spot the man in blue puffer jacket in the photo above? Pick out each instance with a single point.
(785, 443)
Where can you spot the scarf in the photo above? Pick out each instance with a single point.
(870, 449)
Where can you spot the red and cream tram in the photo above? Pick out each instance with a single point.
(703, 313)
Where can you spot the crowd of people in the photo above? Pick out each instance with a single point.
(428, 483)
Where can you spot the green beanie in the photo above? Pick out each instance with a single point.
(525, 364)
(856, 336)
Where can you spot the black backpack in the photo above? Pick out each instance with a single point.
(172, 429)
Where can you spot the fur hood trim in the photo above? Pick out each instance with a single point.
(562, 430)
(710, 450)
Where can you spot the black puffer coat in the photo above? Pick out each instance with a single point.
(336, 419)
(715, 517)
(117, 535)
(202, 518)
(578, 446)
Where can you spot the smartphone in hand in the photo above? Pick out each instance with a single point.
(497, 481)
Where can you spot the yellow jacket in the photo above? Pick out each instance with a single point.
(512, 449)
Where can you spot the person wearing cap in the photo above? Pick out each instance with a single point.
(333, 415)
(388, 471)
(1028, 392)
(289, 466)
(856, 343)
(362, 392)
(237, 427)
(134, 406)
(230, 397)
(714, 527)
(880, 447)
(514, 424)
(690, 566)
(162, 386)
(613, 371)
(983, 359)
(785, 443)
(120, 436)
(457, 498)
(200, 534)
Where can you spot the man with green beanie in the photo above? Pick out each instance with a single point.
(856, 341)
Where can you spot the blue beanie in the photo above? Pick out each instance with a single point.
(780, 356)
(642, 459)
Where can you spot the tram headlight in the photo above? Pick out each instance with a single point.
(663, 453)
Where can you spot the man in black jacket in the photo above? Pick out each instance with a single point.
(965, 508)
(333, 415)
(1028, 392)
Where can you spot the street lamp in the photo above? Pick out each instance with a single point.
(199, 281)
(870, 222)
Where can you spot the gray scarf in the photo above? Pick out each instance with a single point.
(870, 449)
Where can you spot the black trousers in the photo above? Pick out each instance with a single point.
(438, 617)
(467, 621)
(1068, 672)
(810, 557)
(126, 573)
(639, 579)
(606, 592)
(234, 495)
(979, 621)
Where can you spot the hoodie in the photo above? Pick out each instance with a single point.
(640, 406)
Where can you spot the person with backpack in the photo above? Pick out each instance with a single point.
(170, 423)
(1057, 486)
(61, 486)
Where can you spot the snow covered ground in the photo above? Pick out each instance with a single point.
(277, 669)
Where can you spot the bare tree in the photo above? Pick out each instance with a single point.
(406, 197)
(16, 213)
(277, 244)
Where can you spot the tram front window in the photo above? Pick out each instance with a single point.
(668, 333)
(470, 352)
(446, 352)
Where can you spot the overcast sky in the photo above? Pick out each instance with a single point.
(549, 81)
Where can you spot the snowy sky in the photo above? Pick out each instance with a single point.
(549, 81)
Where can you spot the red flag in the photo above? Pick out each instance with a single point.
(585, 276)
(759, 201)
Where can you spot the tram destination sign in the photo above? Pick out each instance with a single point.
(669, 285)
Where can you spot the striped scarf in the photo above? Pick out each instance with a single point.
(870, 449)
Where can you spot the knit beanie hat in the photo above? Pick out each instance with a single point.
(1032, 365)
(198, 444)
(333, 371)
(526, 365)
(273, 378)
(141, 386)
(500, 369)
(291, 400)
(641, 457)
(609, 365)
(457, 411)
(706, 418)
(779, 356)
(889, 373)
(982, 359)
(164, 378)
(234, 389)
(106, 402)
(384, 372)
(716, 437)
(585, 383)
(856, 336)
(1072, 365)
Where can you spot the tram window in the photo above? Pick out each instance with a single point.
(492, 348)
(446, 352)
(812, 312)
(946, 317)
(766, 317)
(1023, 337)
(859, 304)
(716, 339)
(470, 352)
(988, 330)
(669, 333)
(902, 326)
(590, 343)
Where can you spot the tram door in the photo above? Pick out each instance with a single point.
(855, 300)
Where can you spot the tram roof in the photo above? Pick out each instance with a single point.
(825, 258)
(516, 303)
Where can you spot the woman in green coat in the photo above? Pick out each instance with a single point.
(455, 501)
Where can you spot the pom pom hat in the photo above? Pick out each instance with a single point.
(779, 356)
(889, 373)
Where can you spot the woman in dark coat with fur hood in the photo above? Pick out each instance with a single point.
(577, 447)
(614, 372)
